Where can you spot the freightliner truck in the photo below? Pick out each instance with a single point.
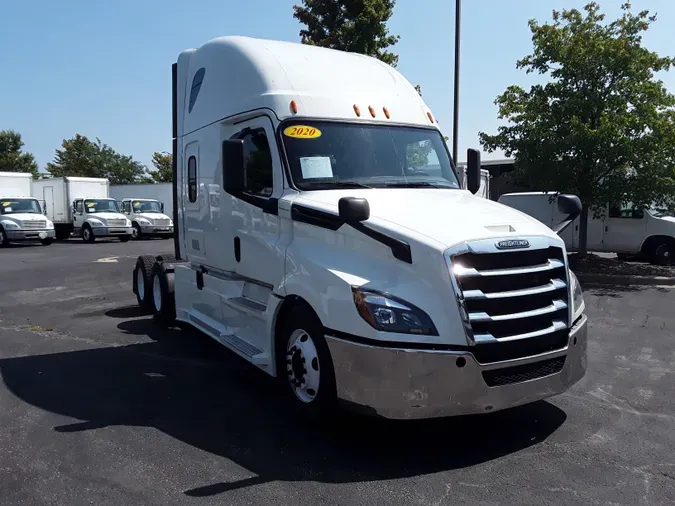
(344, 258)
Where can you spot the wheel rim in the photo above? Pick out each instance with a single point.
(134, 232)
(86, 234)
(664, 254)
(140, 283)
(2, 237)
(157, 293)
(302, 366)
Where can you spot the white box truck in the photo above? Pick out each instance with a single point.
(625, 229)
(144, 205)
(82, 206)
(338, 261)
(21, 217)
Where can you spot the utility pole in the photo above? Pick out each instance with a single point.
(455, 119)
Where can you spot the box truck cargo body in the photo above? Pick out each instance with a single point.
(82, 206)
(322, 234)
(22, 216)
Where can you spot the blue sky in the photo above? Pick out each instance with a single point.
(102, 69)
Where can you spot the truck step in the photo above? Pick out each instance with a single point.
(247, 305)
(254, 354)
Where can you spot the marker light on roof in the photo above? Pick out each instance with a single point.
(431, 118)
(372, 111)
(357, 110)
(294, 107)
(386, 112)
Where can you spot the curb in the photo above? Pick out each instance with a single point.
(624, 280)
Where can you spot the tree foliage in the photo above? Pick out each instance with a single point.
(603, 127)
(12, 157)
(357, 26)
(163, 172)
(80, 156)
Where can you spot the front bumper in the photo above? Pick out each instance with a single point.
(111, 231)
(156, 230)
(407, 383)
(30, 235)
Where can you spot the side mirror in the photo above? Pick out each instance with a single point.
(473, 170)
(161, 206)
(571, 206)
(233, 166)
(353, 209)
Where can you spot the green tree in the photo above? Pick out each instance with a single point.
(163, 172)
(12, 157)
(81, 157)
(603, 127)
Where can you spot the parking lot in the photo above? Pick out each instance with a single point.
(97, 405)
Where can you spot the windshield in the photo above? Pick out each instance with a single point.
(101, 206)
(146, 206)
(328, 155)
(14, 206)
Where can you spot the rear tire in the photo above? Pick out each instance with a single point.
(163, 298)
(143, 282)
(305, 366)
(47, 242)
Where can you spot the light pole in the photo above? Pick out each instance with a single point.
(455, 119)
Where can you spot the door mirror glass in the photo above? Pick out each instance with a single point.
(161, 206)
(233, 166)
(473, 170)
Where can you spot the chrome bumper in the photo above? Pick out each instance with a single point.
(156, 230)
(111, 231)
(29, 235)
(406, 383)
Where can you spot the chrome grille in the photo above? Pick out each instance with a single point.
(117, 223)
(161, 222)
(34, 224)
(515, 303)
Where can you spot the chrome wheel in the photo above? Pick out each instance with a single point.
(86, 234)
(140, 284)
(302, 366)
(135, 232)
(157, 294)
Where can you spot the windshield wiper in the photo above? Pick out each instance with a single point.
(336, 184)
(417, 184)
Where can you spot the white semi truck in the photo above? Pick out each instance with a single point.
(345, 259)
(21, 216)
(82, 206)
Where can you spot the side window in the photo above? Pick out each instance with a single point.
(192, 179)
(627, 210)
(258, 174)
(197, 81)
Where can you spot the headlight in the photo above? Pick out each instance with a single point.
(128, 223)
(95, 223)
(578, 304)
(10, 224)
(50, 225)
(389, 314)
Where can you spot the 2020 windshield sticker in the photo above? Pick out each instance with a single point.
(90, 204)
(6, 204)
(302, 132)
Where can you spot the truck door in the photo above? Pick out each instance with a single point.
(625, 228)
(254, 214)
(193, 205)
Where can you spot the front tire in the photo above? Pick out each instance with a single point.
(305, 366)
(88, 234)
(4, 241)
(125, 238)
(136, 234)
(47, 242)
(143, 282)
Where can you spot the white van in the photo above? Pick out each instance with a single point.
(344, 258)
(624, 229)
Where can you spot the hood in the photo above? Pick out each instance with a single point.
(106, 216)
(448, 217)
(152, 216)
(23, 217)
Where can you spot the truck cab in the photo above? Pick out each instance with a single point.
(147, 218)
(345, 258)
(96, 217)
(22, 220)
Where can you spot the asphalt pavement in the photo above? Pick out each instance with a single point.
(97, 405)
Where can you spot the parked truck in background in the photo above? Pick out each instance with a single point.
(161, 192)
(625, 229)
(82, 206)
(21, 216)
(345, 259)
(147, 218)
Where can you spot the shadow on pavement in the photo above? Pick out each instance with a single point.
(194, 390)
